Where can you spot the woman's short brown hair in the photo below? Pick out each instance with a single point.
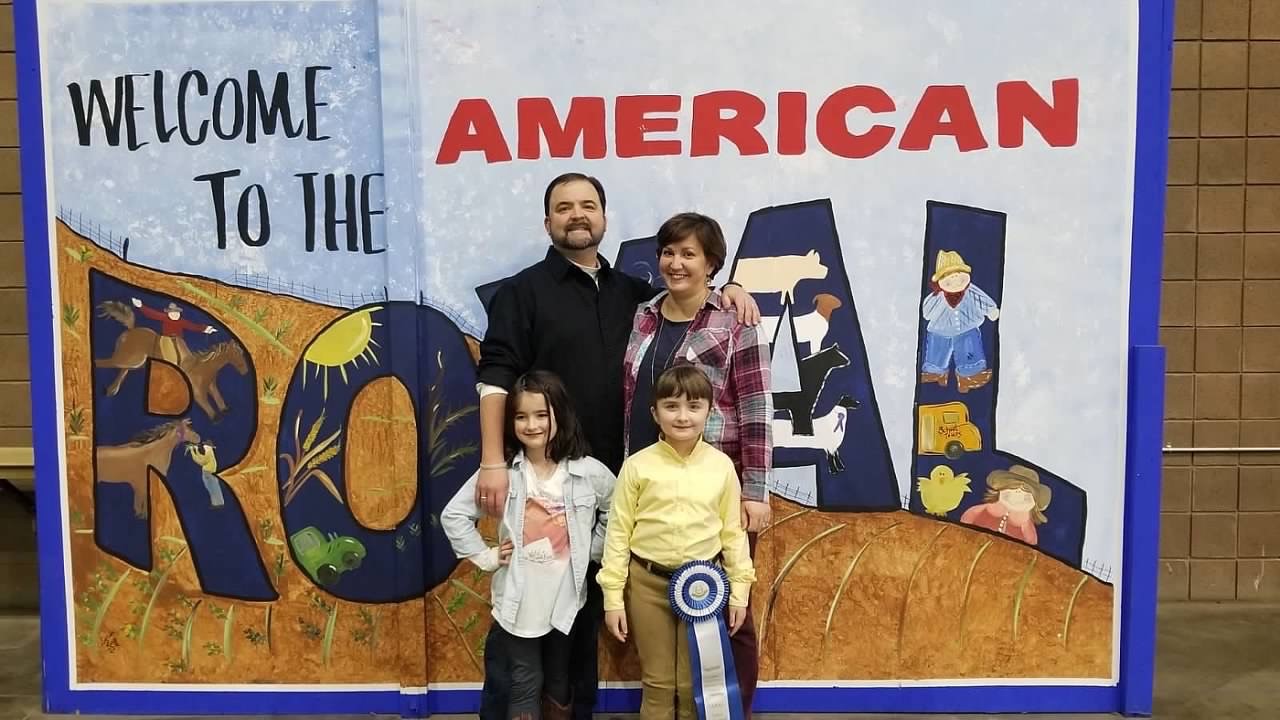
(705, 229)
(681, 380)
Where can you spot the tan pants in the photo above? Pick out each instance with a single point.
(173, 349)
(662, 642)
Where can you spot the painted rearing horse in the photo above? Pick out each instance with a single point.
(136, 344)
(151, 448)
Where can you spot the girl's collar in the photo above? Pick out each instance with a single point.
(671, 450)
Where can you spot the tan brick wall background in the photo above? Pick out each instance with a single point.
(15, 394)
(1220, 315)
(18, 581)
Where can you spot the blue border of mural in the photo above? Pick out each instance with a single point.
(1141, 523)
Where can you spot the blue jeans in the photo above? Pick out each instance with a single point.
(213, 487)
(965, 348)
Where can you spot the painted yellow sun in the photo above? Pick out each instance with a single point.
(345, 342)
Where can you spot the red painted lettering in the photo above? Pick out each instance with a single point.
(926, 122)
(792, 123)
(1058, 122)
(650, 125)
(740, 128)
(632, 121)
(473, 128)
(537, 119)
(833, 125)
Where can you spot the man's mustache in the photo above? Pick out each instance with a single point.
(578, 226)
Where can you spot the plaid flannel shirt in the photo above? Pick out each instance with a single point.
(736, 359)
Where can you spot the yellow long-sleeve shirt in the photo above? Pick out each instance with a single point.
(670, 510)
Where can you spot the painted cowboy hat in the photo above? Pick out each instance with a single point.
(1024, 477)
(173, 307)
(949, 262)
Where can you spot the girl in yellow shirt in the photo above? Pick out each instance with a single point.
(675, 501)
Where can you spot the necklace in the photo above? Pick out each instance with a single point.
(657, 339)
(653, 364)
(706, 293)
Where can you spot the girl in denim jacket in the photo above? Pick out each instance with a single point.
(553, 524)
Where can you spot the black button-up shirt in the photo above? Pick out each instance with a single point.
(551, 316)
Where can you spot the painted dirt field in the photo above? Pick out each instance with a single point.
(841, 596)
(132, 626)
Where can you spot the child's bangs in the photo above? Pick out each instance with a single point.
(682, 380)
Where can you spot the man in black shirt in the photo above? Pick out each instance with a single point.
(571, 314)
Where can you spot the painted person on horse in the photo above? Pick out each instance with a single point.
(170, 344)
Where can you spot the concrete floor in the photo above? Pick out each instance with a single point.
(1215, 662)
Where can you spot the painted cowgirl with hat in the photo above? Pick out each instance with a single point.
(1014, 504)
(956, 310)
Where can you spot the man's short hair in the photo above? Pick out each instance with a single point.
(568, 178)
(705, 229)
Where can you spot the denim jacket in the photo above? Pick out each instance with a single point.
(588, 492)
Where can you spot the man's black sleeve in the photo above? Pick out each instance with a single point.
(643, 291)
(506, 352)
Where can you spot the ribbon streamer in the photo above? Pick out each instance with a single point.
(699, 594)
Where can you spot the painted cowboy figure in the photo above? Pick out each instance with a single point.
(956, 310)
(170, 344)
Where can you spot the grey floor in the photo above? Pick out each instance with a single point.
(1216, 662)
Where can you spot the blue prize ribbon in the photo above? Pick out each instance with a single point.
(699, 594)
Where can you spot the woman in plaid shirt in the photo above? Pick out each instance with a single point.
(688, 323)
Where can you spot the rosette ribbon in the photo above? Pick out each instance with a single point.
(699, 594)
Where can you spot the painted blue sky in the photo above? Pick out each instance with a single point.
(149, 194)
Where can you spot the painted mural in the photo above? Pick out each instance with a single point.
(271, 270)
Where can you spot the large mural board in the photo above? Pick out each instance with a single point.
(261, 237)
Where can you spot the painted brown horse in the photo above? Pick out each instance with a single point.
(153, 448)
(136, 344)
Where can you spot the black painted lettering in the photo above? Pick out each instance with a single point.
(268, 114)
(217, 184)
(312, 104)
(84, 111)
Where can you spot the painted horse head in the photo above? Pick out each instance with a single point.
(235, 354)
(186, 433)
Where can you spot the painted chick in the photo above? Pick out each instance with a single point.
(942, 491)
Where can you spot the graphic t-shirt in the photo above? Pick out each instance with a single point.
(544, 552)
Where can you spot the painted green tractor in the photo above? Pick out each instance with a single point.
(325, 559)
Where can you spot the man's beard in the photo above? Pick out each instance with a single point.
(569, 241)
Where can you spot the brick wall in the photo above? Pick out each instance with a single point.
(1220, 316)
(15, 395)
(18, 583)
